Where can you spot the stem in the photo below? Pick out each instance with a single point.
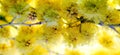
(18, 15)
(20, 24)
(13, 20)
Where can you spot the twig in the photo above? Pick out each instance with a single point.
(21, 24)
(112, 26)
(18, 16)
(14, 19)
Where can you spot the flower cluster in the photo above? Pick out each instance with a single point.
(59, 27)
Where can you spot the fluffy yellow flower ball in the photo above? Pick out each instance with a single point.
(73, 52)
(38, 50)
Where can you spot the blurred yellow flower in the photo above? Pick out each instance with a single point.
(72, 36)
(72, 52)
(38, 50)
(106, 39)
(101, 51)
(26, 30)
(113, 17)
(25, 42)
(5, 32)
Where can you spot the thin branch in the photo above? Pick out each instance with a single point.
(14, 19)
(112, 26)
(21, 24)
(18, 15)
